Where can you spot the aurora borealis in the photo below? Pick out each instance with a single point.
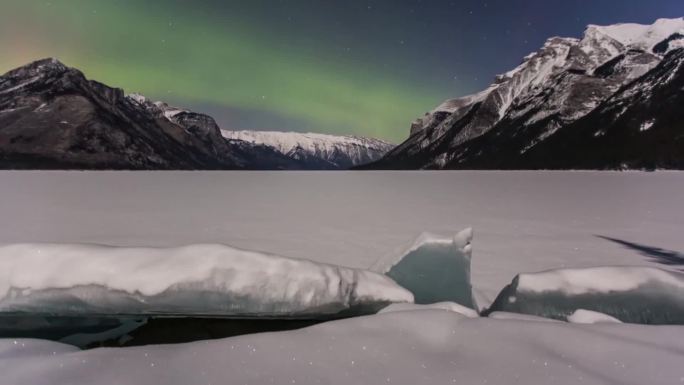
(346, 67)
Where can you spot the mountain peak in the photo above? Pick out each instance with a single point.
(50, 62)
(532, 109)
(39, 67)
(638, 36)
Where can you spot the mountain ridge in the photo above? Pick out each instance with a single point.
(562, 83)
(331, 151)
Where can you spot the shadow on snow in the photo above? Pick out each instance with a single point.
(655, 254)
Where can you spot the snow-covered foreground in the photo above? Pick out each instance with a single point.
(524, 221)
(409, 347)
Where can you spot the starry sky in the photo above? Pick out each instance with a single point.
(364, 67)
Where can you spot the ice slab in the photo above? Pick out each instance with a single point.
(503, 315)
(434, 269)
(445, 306)
(407, 348)
(630, 294)
(582, 316)
(196, 279)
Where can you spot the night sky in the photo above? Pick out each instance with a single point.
(348, 67)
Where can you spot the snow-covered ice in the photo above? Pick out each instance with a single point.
(630, 294)
(194, 279)
(213, 279)
(411, 347)
(582, 316)
(525, 221)
(603, 279)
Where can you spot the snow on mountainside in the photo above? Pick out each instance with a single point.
(563, 82)
(638, 36)
(327, 151)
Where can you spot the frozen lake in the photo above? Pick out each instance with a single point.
(524, 221)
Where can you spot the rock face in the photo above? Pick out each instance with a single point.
(609, 100)
(52, 117)
(318, 151)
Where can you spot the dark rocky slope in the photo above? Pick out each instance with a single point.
(52, 117)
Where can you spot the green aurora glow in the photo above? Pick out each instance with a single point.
(366, 67)
(193, 58)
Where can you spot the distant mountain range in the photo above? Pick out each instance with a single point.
(52, 117)
(320, 151)
(611, 100)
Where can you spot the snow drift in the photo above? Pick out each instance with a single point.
(434, 269)
(191, 280)
(409, 347)
(630, 294)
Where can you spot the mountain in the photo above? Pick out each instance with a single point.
(319, 151)
(310, 151)
(52, 117)
(610, 100)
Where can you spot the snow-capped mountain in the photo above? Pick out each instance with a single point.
(568, 82)
(311, 151)
(320, 151)
(52, 117)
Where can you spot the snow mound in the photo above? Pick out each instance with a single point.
(412, 347)
(446, 306)
(581, 316)
(201, 279)
(630, 294)
(434, 269)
